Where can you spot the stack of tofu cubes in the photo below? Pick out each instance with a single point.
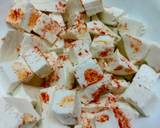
(76, 63)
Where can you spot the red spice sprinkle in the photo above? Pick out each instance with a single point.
(102, 118)
(118, 68)
(44, 97)
(104, 53)
(63, 57)
(80, 53)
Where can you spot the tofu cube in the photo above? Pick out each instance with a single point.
(80, 52)
(48, 118)
(47, 28)
(152, 58)
(92, 7)
(23, 16)
(57, 17)
(66, 106)
(135, 48)
(110, 15)
(88, 73)
(119, 65)
(143, 100)
(102, 46)
(18, 112)
(37, 62)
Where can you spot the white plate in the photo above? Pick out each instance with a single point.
(146, 10)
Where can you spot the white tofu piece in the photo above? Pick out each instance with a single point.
(102, 46)
(9, 49)
(57, 17)
(110, 15)
(13, 73)
(92, 7)
(47, 28)
(145, 77)
(98, 28)
(151, 57)
(17, 113)
(88, 73)
(27, 92)
(80, 52)
(106, 119)
(37, 62)
(119, 65)
(66, 106)
(48, 117)
(56, 6)
(128, 25)
(130, 112)
(23, 16)
(143, 100)
(135, 48)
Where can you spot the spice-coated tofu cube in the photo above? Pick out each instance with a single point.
(143, 100)
(110, 15)
(9, 49)
(80, 52)
(48, 118)
(37, 62)
(152, 58)
(47, 28)
(135, 48)
(23, 16)
(66, 106)
(58, 17)
(128, 25)
(102, 46)
(119, 65)
(88, 73)
(16, 113)
(92, 7)
(106, 119)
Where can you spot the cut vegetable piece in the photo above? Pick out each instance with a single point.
(66, 106)
(119, 65)
(102, 46)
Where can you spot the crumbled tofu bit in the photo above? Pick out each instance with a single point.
(47, 28)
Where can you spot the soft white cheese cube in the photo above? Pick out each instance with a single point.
(66, 106)
(18, 112)
(88, 73)
(92, 7)
(152, 58)
(128, 25)
(80, 52)
(102, 46)
(57, 17)
(119, 65)
(10, 46)
(23, 16)
(37, 62)
(135, 48)
(47, 28)
(48, 117)
(110, 15)
(143, 100)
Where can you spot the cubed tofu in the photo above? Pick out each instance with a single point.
(152, 58)
(47, 28)
(106, 119)
(9, 49)
(110, 15)
(119, 65)
(102, 46)
(88, 73)
(48, 118)
(80, 52)
(128, 25)
(27, 92)
(143, 100)
(57, 17)
(135, 48)
(17, 113)
(92, 7)
(66, 106)
(37, 62)
(23, 16)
